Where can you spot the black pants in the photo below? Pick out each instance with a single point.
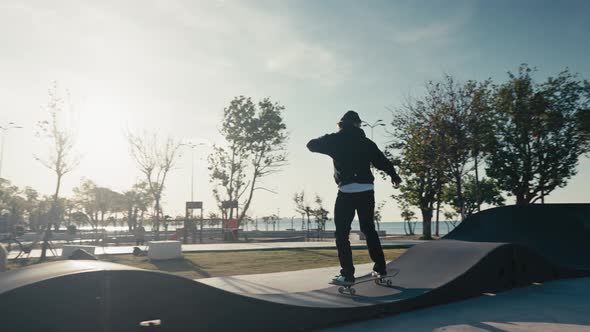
(363, 204)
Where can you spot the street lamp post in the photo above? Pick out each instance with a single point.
(378, 123)
(5, 128)
(192, 146)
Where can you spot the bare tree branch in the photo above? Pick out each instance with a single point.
(155, 159)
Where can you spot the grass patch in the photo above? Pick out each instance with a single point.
(221, 264)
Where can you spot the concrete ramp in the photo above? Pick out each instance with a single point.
(478, 257)
(558, 232)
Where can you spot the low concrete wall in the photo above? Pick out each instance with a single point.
(160, 250)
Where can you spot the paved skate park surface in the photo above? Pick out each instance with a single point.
(491, 252)
(556, 306)
(560, 305)
(280, 282)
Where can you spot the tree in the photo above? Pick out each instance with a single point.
(58, 212)
(60, 159)
(249, 221)
(227, 171)
(408, 215)
(69, 207)
(155, 160)
(136, 200)
(32, 208)
(450, 220)
(85, 199)
(537, 141)
(445, 110)
(303, 208)
(98, 202)
(458, 116)
(420, 164)
(213, 219)
(106, 201)
(12, 205)
(7, 192)
(475, 193)
(583, 122)
(479, 126)
(80, 218)
(255, 135)
(266, 220)
(26, 207)
(265, 140)
(320, 214)
(378, 215)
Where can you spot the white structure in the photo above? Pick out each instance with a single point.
(3, 258)
(159, 250)
(69, 249)
(355, 237)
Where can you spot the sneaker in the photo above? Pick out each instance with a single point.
(379, 274)
(343, 281)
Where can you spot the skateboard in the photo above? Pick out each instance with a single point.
(378, 279)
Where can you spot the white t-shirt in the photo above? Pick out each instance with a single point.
(356, 187)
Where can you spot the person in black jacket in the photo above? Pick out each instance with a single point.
(353, 154)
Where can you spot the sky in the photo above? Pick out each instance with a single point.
(170, 67)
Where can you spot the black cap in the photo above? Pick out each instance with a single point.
(351, 116)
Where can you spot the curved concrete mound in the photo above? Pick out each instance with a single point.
(495, 250)
(558, 232)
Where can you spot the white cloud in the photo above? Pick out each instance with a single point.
(436, 33)
(304, 60)
(431, 33)
(255, 36)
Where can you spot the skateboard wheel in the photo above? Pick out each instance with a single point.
(352, 291)
(389, 283)
(341, 290)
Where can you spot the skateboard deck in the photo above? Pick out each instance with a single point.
(378, 279)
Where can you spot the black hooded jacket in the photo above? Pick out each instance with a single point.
(352, 153)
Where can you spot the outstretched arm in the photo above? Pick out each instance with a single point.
(380, 161)
(324, 144)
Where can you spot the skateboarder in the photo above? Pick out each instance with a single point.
(353, 154)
